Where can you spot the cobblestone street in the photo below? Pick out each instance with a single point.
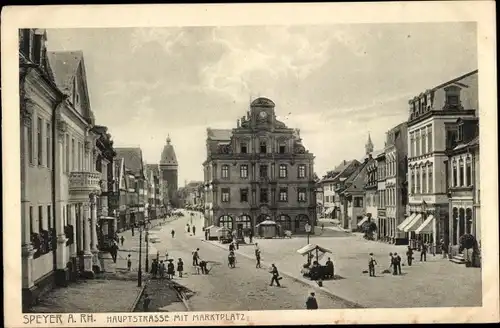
(435, 283)
(241, 288)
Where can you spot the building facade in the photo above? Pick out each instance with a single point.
(134, 184)
(59, 182)
(383, 224)
(464, 181)
(370, 188)
(155, 196)
(395, 183)
(259, 171)
(430, 113)
(169, 175)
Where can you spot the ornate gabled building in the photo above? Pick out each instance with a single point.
(59, 179)
(155, 207)
(259, 171)
(169, 175)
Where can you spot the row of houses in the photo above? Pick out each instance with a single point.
(191, 196)
(424, 183)
(77, 189)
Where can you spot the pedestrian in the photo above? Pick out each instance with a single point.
(146, 302)
(170, 269)
(444, 248)
(157, 255)
(371, 265)
(129, 262)
(187, 227)
(196, 256)
(154, 268)
(173, 233)
(194, 231)
(231, 246)
(166, 255)
(311, 302)
(122, 239)
(132, 231)
(276, 276)
(250, 235)
(330, 271)
(236, 243)
(423, 253)
(203, 267)
(322, 226)
(397, 261)
(409, 255)
(161, 269)
(432, 248)
(180, 267)
(114, 251)
(257, 248)
(257, 257)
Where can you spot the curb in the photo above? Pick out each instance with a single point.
(299, 280)
(141, 292)
(183, 298)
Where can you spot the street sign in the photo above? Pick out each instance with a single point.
(308, 227)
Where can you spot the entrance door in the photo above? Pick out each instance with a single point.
(239, 230)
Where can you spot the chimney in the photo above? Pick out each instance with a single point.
(238, 123)
(370, 156)
(345, 162)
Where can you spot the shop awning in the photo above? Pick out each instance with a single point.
(360, 223)
(329, 210)
(266, 223)
(413, 223)
(427, 226)
(406, 221)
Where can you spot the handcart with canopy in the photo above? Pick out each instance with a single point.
(315, 271)
(225, 235)
(267, 229)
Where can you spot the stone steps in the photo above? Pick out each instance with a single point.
(458, 259)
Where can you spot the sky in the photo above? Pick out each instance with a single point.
(336, 83)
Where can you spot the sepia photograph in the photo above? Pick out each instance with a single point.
(208, 168)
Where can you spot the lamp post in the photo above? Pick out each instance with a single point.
(139, 272)
(423, 208)
(146, 225)
(308, 230)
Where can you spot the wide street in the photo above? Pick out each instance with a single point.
(241, 288)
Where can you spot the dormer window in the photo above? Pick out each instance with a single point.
(243, 148)
(37, 49)
(452, 97)
(263, 147)
(460, 133)
(282, 148)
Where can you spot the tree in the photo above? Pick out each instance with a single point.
(315, 177)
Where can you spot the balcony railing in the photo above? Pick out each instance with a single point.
(84, 181)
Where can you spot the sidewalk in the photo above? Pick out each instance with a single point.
(435, 283)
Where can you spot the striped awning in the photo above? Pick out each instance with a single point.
(406, 221)
(427, 226)
(329, 210)
(413, 223)
(360, 223)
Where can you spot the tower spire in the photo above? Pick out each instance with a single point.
(168, 139)
(369, 145)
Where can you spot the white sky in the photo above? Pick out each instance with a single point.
(335, 83)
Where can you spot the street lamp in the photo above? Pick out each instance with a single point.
(139, 273)
(308, 230)
(146, 225)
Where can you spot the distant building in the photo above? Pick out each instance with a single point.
(328, 183)
(396, 151)
(169, 175)
(134, 178)
(432, 118)
(383, 225)
(155, 208)
(463, 180)
(259, 171)
(371, 194)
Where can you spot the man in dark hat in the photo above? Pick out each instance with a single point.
(371, 265)
(311, 302)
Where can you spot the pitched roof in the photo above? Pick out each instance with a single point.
(341, 166)
(168, 154)
(132, 158)
(64, 65)
(153, 168)
(219, 134)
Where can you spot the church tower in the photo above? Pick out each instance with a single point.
(369, 145)
(168, 168)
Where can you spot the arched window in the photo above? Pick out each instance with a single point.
(429, 177)
(301, 221)
(417, 180)
(468, 220)
(245, 221)
(424, 179)
(285, 222)
(226, 221)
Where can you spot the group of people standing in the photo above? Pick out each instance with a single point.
(162, 269)
(396, 261)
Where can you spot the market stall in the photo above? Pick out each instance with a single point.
(267, 229)
(314, 270)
